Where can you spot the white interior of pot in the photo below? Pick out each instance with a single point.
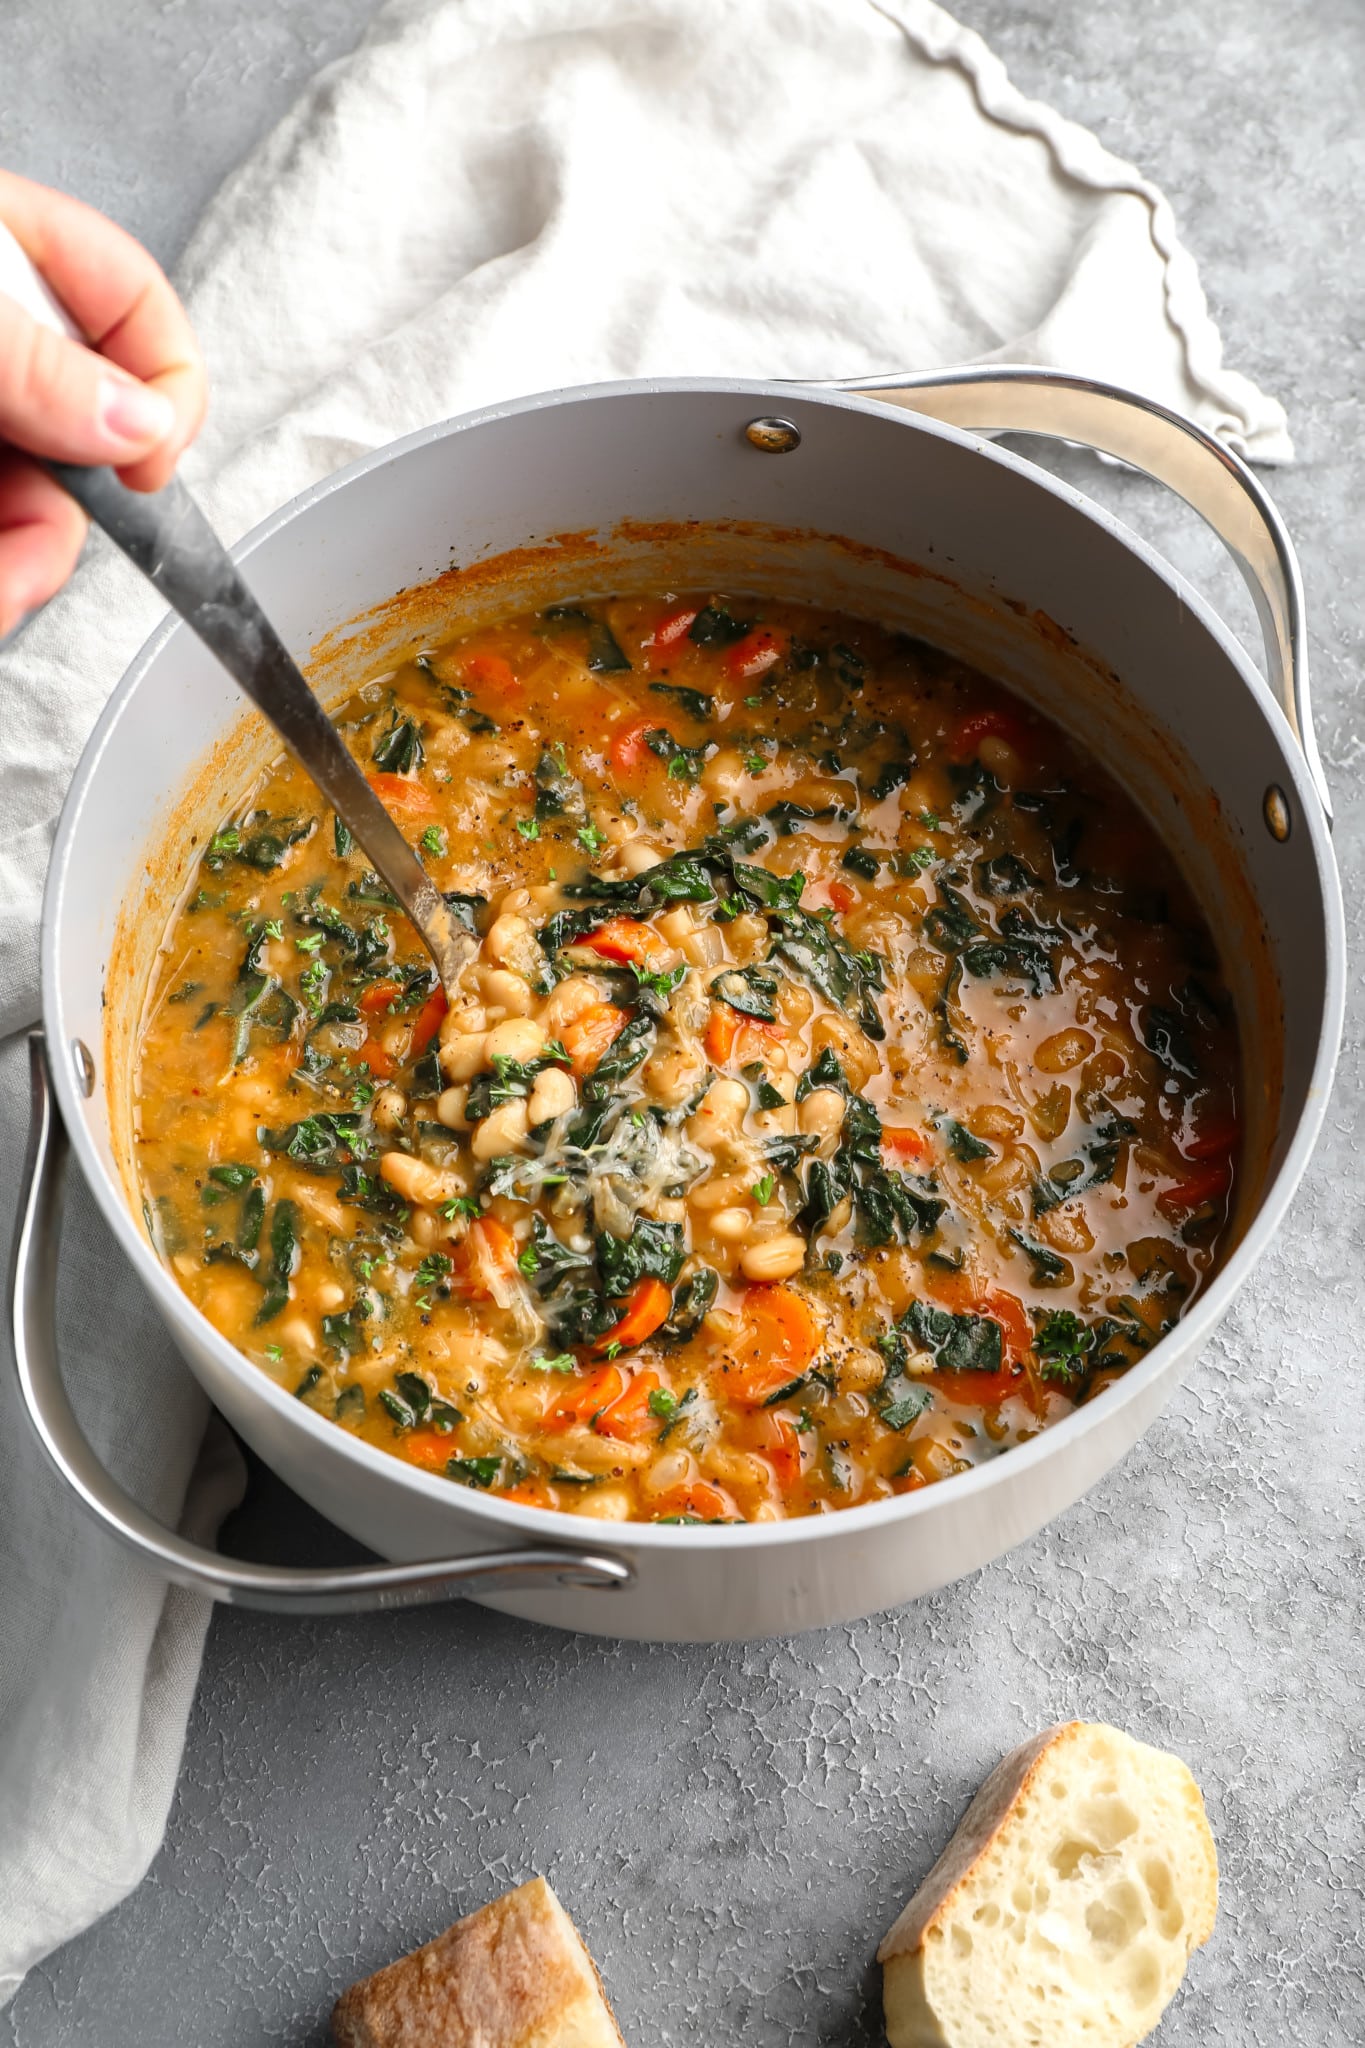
(947, 539)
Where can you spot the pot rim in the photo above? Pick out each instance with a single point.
(536, 1523)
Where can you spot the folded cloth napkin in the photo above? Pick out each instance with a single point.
(490, 197)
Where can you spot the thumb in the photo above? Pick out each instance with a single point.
(60, 400)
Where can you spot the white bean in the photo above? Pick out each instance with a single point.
(504, 990)
(517, 1039)
(732, 1226)
(637, 855)
(415, 1181)
(552, 1096)
(510, 943)
(450, 1108)
(504, 1130)
(461, 1058)
(389, 1105)
(822, 1112)
(776, 1258)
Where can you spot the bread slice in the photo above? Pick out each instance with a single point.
(513, 1975)
(1063, 1911)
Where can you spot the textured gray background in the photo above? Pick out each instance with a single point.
(733, 1829)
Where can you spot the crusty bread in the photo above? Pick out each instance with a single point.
(1064, 1910)
(513, 1975)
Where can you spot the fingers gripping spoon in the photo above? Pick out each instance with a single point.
(165, 535)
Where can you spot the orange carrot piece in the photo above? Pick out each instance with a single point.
(401, 793)
(487, 1252)
(755, 654)
(903, 1142)
(629, 1415)
(429, 1448)
(588, 1398)
(379, 995)
(1205, 1184)
(699, 1500)
(841, 896)
(668, 631)
(647, 1308)
(589, 1034)
(624, 938)
(491, 672)
(779, 1441)
(428, 1022)
(629, 753)
(721, 1032)
(781, 1337)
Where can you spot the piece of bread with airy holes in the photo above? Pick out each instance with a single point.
(1065, 1908)
(513, 1975)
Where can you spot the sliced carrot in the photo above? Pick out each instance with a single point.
(647, 1308)
(779, 1441)
(490, 672)
(629, 753)
(376, 1059)
(841, 896)
(1205, 1184)
(589, 1397)
(401, 793)
(903, 1142)
(999, 724)
(983, 1389)
(699, 1500)
(1214, 1139)
(624, 938)
(755, 654)
(629, 1415)
(781, 1336)
(485, 1254)
(379, 995)
(1015, 1327)
(429, 1448)
(722, 1030)
(668, 631)
(530, 1493)
(428, 1022)
(589, 1034)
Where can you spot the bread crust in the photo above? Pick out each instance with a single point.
(977, 1829)
(515, 1974)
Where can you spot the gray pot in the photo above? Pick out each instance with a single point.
(822, 494)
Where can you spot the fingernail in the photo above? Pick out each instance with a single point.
(134, 412)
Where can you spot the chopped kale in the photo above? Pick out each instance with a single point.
(691, 1300)
(962, 1143)
(956, 1343)
(694, 702)
(653, 1249)
(400, 750)
(714, 626)
(747, 989)
(322, 1141)
(859, 861)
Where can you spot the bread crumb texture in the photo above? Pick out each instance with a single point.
(513, 1975)
(1065, 1908)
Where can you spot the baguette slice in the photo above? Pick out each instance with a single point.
(513, 1975)
(1064, 1909)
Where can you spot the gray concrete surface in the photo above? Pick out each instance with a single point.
(733, 1829)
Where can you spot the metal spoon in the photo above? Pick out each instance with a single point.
(165, 535)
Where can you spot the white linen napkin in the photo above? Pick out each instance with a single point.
(491, 197)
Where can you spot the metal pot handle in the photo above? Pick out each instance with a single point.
(1019, 399)
(350, 1589)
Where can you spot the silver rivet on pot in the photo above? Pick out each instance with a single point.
(772, 436)
(1278, 817)
(84, 1064)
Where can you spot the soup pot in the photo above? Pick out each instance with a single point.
(880, 499)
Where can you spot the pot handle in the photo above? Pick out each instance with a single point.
(349, 1589)
(1218, 485)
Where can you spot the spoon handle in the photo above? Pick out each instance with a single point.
(166, 536)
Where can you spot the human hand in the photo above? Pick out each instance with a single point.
(133, 398)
